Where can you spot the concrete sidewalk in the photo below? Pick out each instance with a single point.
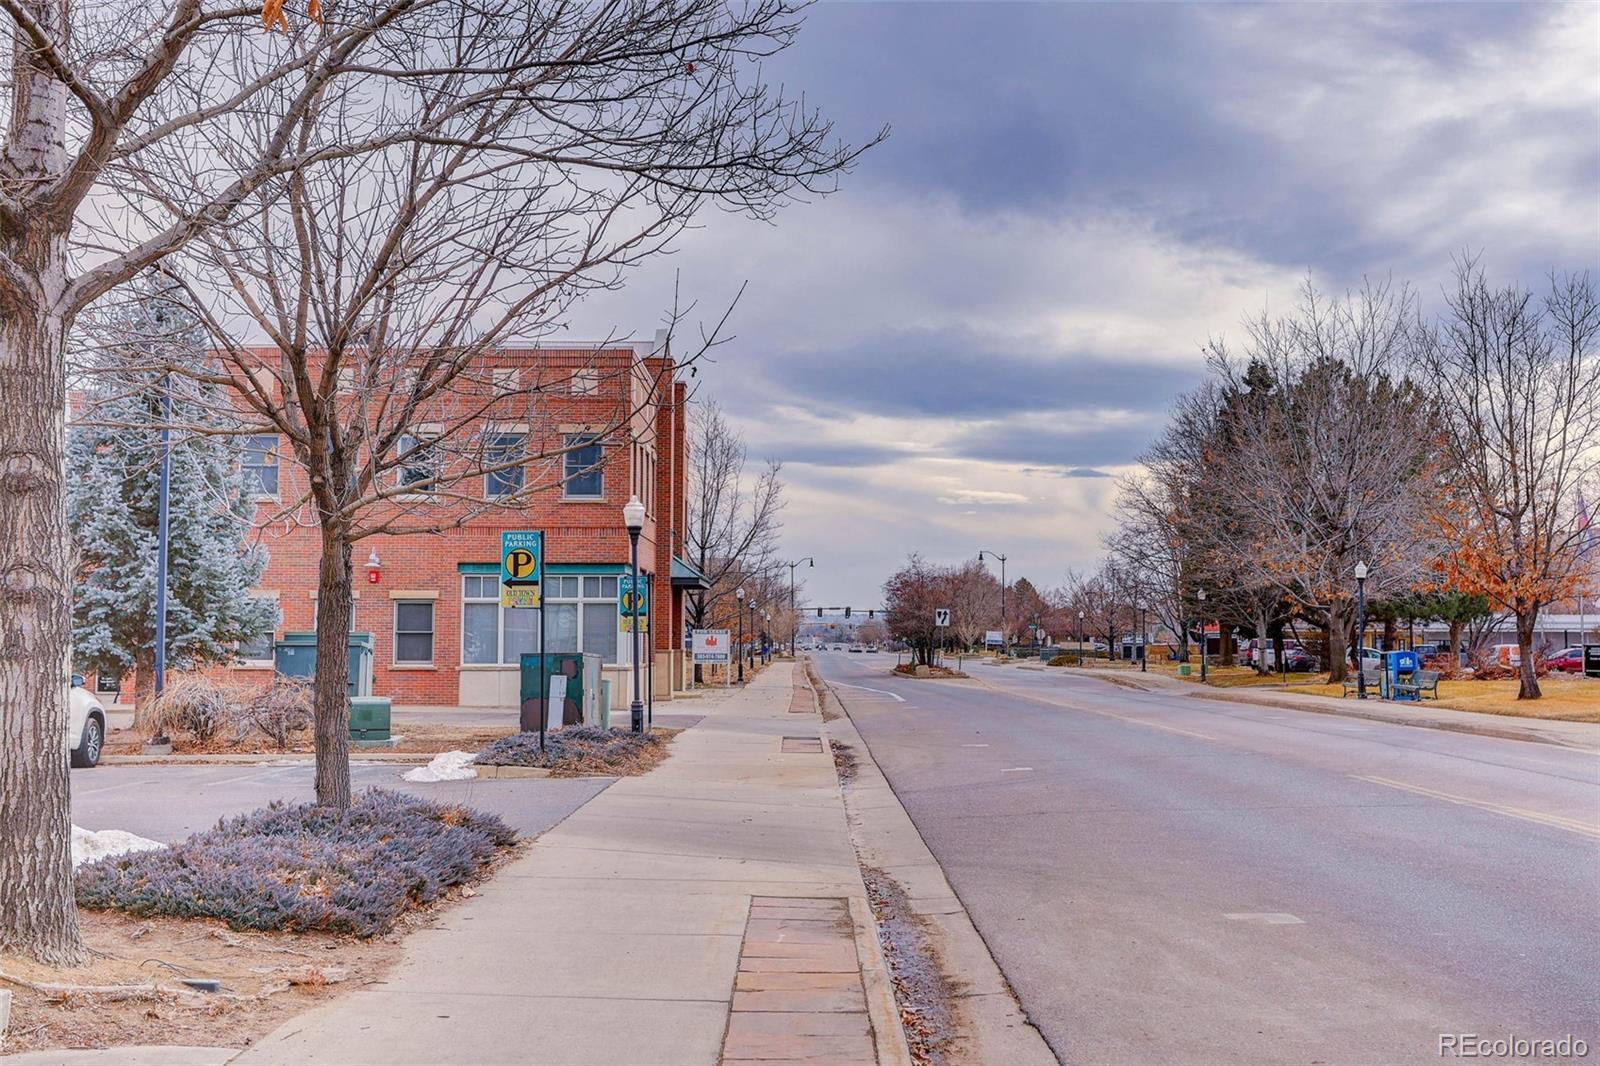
(709, 911)
(1581, 735)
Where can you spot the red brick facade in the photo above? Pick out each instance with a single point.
(436, 579)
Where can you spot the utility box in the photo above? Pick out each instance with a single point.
(1398, 666)
(369, 719)
(582, 704)
(296, 656)
(1591, 660)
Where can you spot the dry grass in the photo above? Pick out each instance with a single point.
(266, 979)
(1565, 699)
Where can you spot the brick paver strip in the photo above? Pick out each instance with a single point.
(802, 702)
(798, 996)
(796, 745)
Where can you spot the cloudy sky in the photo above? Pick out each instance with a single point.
(964, 346)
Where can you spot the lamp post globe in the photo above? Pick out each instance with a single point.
(633, 520)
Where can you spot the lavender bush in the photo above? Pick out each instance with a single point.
(304, 867)
(583, 746)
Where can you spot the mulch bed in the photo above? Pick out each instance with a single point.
(581, 750)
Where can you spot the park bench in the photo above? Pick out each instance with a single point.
(1423, 681)
(1374, 680)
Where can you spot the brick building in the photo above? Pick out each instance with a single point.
(431, 604)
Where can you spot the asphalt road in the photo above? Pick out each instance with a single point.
(1168, 880)
(170, 802)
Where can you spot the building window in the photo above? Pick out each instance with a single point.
(501, 448)
(585, 382)
(418, 458)
(583, 478)
(492, 634)
(258, 650)
(580, 611)
(261, 465)
(413, 631)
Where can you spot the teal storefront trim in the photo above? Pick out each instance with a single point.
(549, 568)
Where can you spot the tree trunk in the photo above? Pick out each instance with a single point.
(1339, 623)
(331, 693)
(1455, 643)
(1391, 628)
(38, 915)
(144, 692)
(1527, 618)
(1279, 652)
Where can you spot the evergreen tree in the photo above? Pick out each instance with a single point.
(114, 466)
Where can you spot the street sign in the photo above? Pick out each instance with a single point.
(712, 646)
(521, 567)
(631, 606)
(941, 616)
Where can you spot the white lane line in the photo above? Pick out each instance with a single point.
(974, 745)
(1266, 918)
(882, 692)
(1555, 821)
(1015, 769)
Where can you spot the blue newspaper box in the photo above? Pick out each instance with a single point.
(1399, 666)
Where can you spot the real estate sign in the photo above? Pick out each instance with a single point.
(521, 567)
(712, 646)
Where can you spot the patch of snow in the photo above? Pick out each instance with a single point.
(446, 766)
(89, 845)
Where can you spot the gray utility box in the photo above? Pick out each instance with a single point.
(296, 656)
(582, 672)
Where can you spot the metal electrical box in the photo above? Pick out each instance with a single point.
(296, 656)
(582, 673)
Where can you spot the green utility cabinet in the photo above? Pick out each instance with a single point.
(582, 672)
(296, 656)
(369, 719)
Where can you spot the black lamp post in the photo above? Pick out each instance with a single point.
(738, 594)
(1205, 645)
(1361, 629)
(766, 635)
(794, 619)
(633, 518)
(753, 636)
(1080, 638)
(1144, 643)
(1005, 644)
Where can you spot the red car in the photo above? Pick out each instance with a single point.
(1569, 660)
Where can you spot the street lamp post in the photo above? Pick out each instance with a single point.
(1205, 645)
(753, 637)
(794, 619)
(1144, 643)
(1361, 628)
(1080, 638)
(738, 594)
(766, 635)
(633, 518)
(1005, 644)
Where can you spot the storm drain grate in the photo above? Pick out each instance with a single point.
(800, 745)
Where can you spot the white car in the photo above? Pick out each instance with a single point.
(86, 725)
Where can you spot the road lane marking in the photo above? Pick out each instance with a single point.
(882, 692)
(974, 745)
(1266, 918)
(1015, 769)
(1556, 821)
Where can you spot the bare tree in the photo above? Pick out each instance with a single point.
(1519, 381)
(615, 123)
(733, 520)
(910, 597)
(974, 601)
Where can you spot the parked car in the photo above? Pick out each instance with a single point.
(872, 649)
(855, 649)
(1295, 656)
(86, 725)
(1569, 660)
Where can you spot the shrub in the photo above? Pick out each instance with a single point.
(199, 706)
(575, 746)
(280, 710)
(304, 867)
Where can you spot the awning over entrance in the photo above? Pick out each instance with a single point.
(685, 576)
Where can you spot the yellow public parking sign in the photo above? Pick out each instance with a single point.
(521, 567)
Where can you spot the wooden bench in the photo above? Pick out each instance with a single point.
(1374, 683)
(1421, 683)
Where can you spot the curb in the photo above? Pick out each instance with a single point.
(283, 758)
(994, 1028)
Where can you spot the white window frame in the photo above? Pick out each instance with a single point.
(433, 632)
(599, 469)
(493, 432)
(276, 467)
(429, 434)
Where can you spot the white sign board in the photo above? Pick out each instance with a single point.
(941, 616)
(712, 646)
(993, 637)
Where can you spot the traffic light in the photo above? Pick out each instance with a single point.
(869, 614)
(847, 612)
(819, 612)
